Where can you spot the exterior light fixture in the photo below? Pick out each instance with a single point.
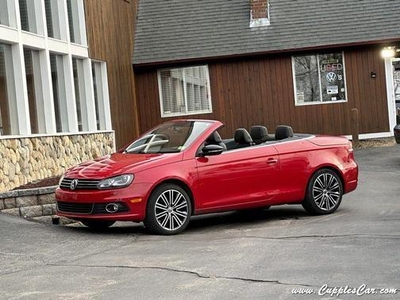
(388, 52)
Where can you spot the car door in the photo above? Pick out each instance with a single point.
(294, 158)
(237, 178)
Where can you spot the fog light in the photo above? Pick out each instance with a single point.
(112, 208)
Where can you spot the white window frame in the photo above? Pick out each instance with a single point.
(43, 92)
(8, 14)
(16, 40)
(18, 114)
(86, 96)
(185, 112)
(58, 17)
(78, 23)
(298, 103)
(103, 100)
(36, 16)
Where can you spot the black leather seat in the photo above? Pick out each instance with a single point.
(259, 134)
(283, 132)
(242, 138)
(215, 139)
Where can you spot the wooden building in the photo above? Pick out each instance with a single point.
(302, 63)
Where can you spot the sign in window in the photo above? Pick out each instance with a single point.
(319, 78)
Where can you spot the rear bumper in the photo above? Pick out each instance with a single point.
(351, 186)
(350, 175)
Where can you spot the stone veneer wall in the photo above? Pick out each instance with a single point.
(24, 160)
(32, 204)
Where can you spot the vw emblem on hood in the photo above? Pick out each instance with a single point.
(74, 184)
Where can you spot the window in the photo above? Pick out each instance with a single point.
(59, 91)
(49, 18)
(31, 16)
(319, 78)
(100, 89)
(91, 101)
(77, 68)
(53, 18)
(184, 91)
(49, 87)
(4, 11)
(10, 106)
(33, 82)
(77, 30)
(5, 103)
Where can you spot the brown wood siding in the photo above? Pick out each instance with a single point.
(110, 31)
(5, 126)
(260, 91)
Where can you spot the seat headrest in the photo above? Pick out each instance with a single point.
(214, 138)
(283, 132)
(242, 136)
(258, 133)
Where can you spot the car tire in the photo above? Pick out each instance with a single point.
(324, 193)
(168, 210)
(96, 224)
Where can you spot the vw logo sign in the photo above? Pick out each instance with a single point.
(74, 184)
(331, 76)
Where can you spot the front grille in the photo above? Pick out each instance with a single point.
(82, 184)
(79, 208)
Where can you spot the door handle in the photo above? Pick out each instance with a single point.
(272, 161)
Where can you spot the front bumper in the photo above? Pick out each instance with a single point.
(112, 205)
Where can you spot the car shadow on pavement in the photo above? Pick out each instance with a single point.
(208, 222)
(243, 218)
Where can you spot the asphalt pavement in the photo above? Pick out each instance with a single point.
(280, 253)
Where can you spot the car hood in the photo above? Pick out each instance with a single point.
(118, 163)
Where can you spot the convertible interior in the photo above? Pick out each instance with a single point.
(258, 135)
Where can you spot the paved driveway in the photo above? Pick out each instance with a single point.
(273, 254)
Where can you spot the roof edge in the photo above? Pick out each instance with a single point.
(160, 64)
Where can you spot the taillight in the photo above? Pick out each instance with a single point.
(350, 152)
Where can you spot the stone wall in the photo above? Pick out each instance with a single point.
(24, 160)
(32, 204)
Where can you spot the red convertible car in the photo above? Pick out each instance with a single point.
(183, 168)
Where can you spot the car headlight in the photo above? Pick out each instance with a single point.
(116, 182)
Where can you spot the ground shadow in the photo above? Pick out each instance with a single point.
(207, 222)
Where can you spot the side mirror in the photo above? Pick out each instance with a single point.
(211, 150)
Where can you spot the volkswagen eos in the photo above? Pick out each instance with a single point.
(183, 168)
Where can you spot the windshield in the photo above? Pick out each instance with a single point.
(169, 137)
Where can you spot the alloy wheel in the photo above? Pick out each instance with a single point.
(326, 191)
(171, 210)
